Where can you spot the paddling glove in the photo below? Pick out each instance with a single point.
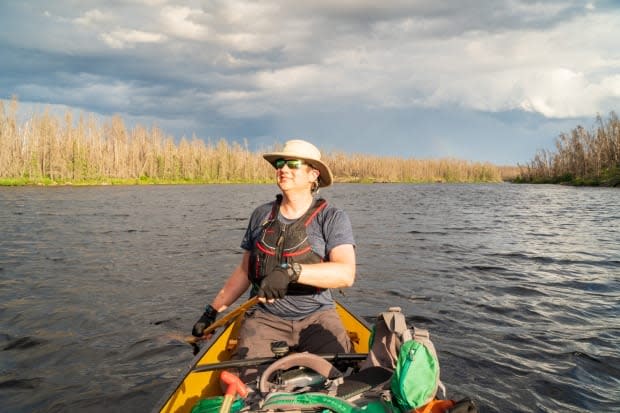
(275, 284)
(207, 318)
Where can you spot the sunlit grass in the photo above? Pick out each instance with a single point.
(48, 150)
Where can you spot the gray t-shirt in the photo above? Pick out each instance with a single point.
(330, 228)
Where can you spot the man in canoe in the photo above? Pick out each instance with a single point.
(296, 248)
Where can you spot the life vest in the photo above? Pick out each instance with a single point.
(280, 243)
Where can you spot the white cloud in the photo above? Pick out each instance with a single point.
(249, 14)
(122, 38)
(558, 92)
(290, 78)
(248, 42)
(250, 27)
(152, 2)
(568, 70)
(561, 72)
(564, 93)
(178, 22)
(91, 18)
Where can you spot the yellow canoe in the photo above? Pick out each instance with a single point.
(201, 379)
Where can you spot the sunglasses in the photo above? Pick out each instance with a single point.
(291, 163)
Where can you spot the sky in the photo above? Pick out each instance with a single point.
(475, 80)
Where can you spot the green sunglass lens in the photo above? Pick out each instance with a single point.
(292, 163)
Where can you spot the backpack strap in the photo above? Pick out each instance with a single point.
(423, 337)
(396, 322)
(389, 332)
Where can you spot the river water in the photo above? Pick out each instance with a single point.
(519, 286)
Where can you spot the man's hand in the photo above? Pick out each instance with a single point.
(207, 318)
(275, 284)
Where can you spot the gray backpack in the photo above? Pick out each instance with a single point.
(409, 354)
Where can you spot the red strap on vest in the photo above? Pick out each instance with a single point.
(322, 205)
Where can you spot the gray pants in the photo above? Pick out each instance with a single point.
(321, 332)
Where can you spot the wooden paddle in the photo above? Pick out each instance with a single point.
(224, 320)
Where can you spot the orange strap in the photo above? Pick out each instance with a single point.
(435, 406)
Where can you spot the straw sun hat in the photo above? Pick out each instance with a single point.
(298, 149)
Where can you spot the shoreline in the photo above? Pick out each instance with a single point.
(137, 182)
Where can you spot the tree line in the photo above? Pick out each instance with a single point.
(52, 149)
(581, 157)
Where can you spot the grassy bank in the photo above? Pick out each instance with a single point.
(117, 181)
(52, 150)
(581, 157)
(609, 177)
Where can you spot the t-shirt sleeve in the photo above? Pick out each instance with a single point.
(337, 230)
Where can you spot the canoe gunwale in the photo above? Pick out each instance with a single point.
(172, 389)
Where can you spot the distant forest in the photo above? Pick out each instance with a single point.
(581, 157)
(48, 149)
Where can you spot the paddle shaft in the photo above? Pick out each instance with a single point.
(224, 320)
(225, 408)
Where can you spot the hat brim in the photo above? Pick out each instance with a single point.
(325, 178)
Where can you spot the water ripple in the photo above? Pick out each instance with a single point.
(518, 285)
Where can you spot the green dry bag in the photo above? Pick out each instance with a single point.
(416, 376)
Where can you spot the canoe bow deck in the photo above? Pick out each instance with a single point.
(201, 378)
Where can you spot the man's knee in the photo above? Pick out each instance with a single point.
(325, 334)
